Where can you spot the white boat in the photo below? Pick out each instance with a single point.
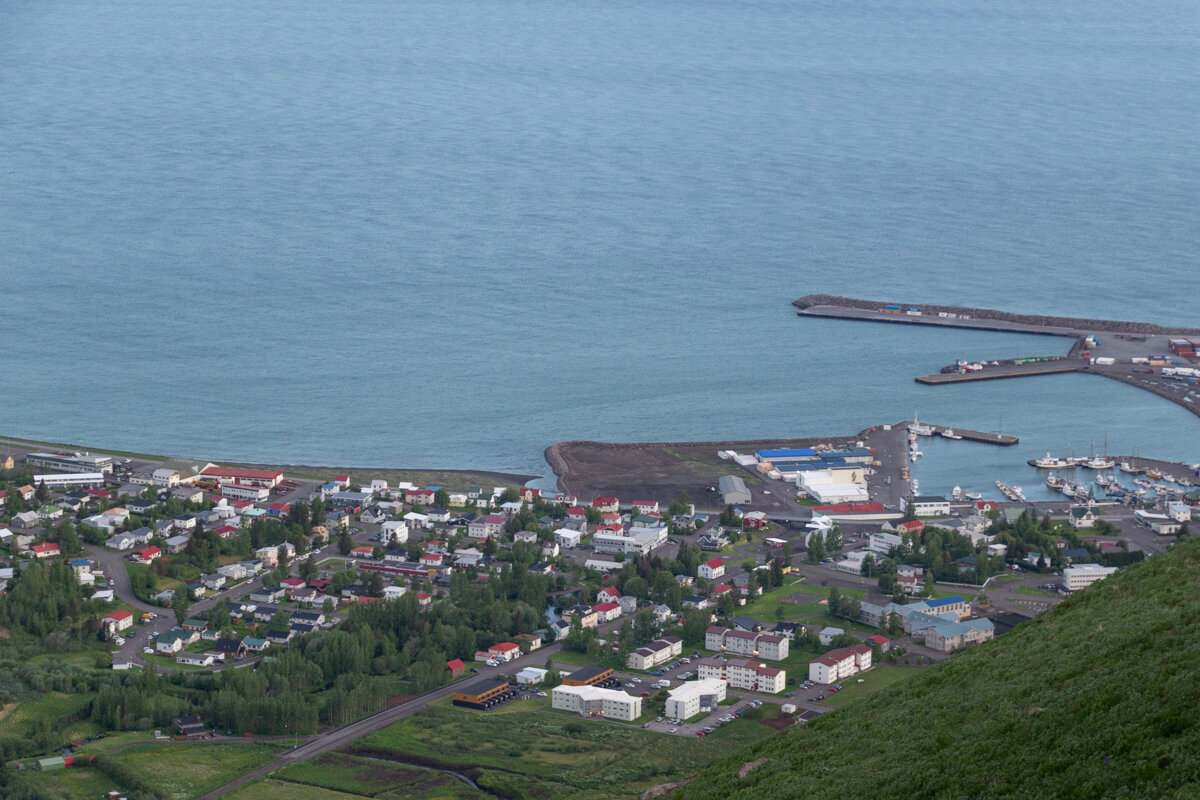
(916, 488)
(919, 429)
(1168, 478)
(1099, 462)
(973, 495)
(1017, 494)
(950, 434)
(1050, 462)
(1055, 482)
(1127, 467)
(957, 494)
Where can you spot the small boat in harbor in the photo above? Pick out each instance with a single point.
(1055, 482)
(1130, 468)
(950, 434)
(973, 496)
(1154, 475)
(957, 494)
(1099, 462)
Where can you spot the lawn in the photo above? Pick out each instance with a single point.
(76, 783)
(184, 770)
(873, 680)
(532, 752)
(369, 777)
(58, 707)
(270, 789)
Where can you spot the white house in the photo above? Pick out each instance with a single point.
(931, 506)
(883, 542)
(567, 538)
(713, 568)
(1079, 576)
(827, 635)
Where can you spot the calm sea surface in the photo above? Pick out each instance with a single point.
(449, 234)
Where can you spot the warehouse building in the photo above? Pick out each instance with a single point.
(733, 490)
(591, 676)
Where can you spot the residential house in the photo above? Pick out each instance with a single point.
(230, 648)
(171, 642)
(828, 634)
(45, 550)
(607, 612)
(567, 539)
(487, 527)
(147, 555)
(606, 505)
(116, 621)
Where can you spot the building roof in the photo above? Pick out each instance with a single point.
(243, 474)
(504, 647)
(588, 672)
(118, 615)
(600, 608)
(713, 563)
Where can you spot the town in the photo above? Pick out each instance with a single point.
(229, 601)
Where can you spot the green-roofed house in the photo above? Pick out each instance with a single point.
(195, 624)
(255, 645)
(171, 642)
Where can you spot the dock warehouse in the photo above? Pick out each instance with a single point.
(484, 694)
(733, 490)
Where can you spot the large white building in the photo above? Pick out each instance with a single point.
(567, 538)
(1077, 577)
(839, 664)
(635, 541)
(749, 675)
(57, 481)
(746, 643)
(691, 698)
(883, 542)
(591, 701)
(852, 563)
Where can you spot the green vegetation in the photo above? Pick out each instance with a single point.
(370, 778)
(179, 771)
(270, 789)
(1096, 698)
(533, 752)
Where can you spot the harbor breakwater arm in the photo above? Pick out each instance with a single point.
(983, 318)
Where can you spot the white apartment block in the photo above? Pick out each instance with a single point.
(660, 651)
(689, 699)
(839, 664)
(1077, 577)
(744, 643)
(590, 701)
(749, 675)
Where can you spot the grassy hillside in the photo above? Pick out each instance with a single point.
(1097, 699)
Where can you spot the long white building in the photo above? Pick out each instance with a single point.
(749, 675)
(745, 643)
(1077, 577)
(591, 701)
(53, 481)
(839, 664)
(689, 699)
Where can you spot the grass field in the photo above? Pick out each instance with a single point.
(873, 680)
(185, 770)
(532, 752)
(367, 777)
(76, 783)
(271, 789)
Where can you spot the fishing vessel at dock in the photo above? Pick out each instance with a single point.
(950, 434)
(1051, 462)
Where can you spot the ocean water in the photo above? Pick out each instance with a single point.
(450, 233)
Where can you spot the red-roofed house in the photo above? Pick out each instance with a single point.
(147, 554)
(911, 526)
(608, 594)
(362, 552)
(343, 481)
(424, 601)
(505, 651)
(528, 495)
(645, 506)
(606, 504)
(291, 584)
(577, 513)
(279, 509)
(721, 588)
(884, 642)
(419, 497)
(117, 621)
(457, 667)
(250, 477)
(225, 531)
(607, 612)
(610, 518)
(45, 550)
(713, 568)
